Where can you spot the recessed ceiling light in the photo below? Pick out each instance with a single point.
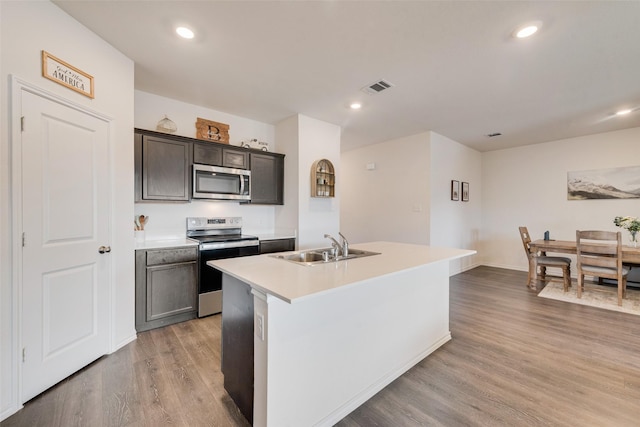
(623, 112)
(355, 106)
(184, 32)
(527, 29)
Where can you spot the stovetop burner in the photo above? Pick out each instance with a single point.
(217, 233)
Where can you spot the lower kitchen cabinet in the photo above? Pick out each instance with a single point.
(166, 286)
(277, 245)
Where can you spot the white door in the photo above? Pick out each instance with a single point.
(65, 218)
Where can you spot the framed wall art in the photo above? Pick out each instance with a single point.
(465, 191)
(455, 190)
(67, 75)
(611, 183)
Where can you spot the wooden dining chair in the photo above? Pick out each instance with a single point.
(599, 254)
(539, 260)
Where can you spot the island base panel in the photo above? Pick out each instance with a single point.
(237, 343)
(323, 357)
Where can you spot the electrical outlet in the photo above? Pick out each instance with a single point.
(260, 326)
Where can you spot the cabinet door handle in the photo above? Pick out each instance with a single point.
(104, 249)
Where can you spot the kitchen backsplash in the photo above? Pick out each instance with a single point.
(168, 220)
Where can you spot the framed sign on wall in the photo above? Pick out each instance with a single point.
(208, 130)
(67, 75)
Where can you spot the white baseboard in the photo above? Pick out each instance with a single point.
(9, 411)
(131, 338)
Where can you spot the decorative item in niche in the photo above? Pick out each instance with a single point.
(465, 191)
(166, 125)
(208, 130)
(67, 75)
(455, 190)
(612, 183)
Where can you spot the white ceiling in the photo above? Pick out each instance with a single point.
(456, 69)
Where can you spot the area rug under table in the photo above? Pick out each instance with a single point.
(595, 296)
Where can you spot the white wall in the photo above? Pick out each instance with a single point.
(390, 202)
(167, 220)
(26, 29)
(406, 197)
(455, 224)
(151, 108)
(286, 216)
(527, 186)
(305, 140)
(317, 216)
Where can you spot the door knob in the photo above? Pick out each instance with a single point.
(103, 249)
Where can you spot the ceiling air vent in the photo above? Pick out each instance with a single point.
(377, 87)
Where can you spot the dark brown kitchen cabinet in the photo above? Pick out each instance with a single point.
(267, 178)
(277, 245)
(207, 154)
(235, 158)
(166, 286)
(217, 155)
(162, 168)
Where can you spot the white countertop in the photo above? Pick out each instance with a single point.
(165, 243)
(292, 282)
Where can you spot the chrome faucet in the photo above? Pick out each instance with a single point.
(336, 246)
(342, 248)
(345, 245)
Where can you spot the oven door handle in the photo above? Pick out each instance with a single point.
(228, 245)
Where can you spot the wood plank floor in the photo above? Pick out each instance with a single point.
(514, 360)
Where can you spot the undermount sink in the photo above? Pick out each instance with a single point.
(316, 256)
(303, 257)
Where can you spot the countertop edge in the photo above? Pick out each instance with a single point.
(232, 268)
(165, 244)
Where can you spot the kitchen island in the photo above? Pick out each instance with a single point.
(327, 337)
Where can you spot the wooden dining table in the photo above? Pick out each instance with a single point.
(630, 254)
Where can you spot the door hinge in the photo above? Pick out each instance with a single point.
(23, 239)
(24, 354)
(22, 124)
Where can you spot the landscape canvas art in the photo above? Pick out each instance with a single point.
(613, 183)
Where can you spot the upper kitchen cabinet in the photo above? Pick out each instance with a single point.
(162, 167)
(207, 154)
(235, 158)
(267, 178)
(219, 155)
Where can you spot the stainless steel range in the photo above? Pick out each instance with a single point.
(219, 238)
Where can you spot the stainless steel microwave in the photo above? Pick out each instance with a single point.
(220, 183)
